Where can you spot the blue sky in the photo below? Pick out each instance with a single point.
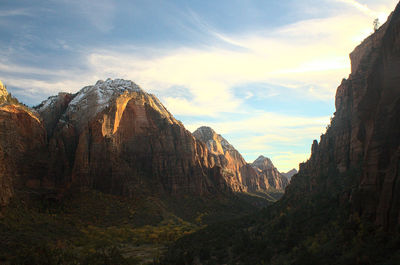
(261, 73)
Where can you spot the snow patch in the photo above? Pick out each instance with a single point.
(102, 93)
(47, 103)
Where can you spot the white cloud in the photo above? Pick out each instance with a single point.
(274, 135)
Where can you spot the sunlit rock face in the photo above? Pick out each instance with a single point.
(269, 174)
(3, 93)
(116, 138)
(23, 151)
(364, 133)
(238, 174)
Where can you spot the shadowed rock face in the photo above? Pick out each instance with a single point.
(364, 133)
(239, 175)
(290, 173)
(116, 138)
(52, 109)
(23, 156)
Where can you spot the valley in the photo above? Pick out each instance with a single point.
(108, 175)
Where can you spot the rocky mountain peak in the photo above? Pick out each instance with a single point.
(263, 163)
(105, 96)
(103, 92)
(215, 142)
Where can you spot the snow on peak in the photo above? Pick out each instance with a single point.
(46, 103)
(103, 91)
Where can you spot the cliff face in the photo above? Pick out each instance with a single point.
(3, 93)
(238, 174)
(22, 151)
(364, 132)
(268, 173)
(116, 138)
(52, 109)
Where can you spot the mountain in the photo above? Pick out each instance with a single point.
(343, 206)
(22, 149)
(266, 170)
(118, 139)
(290, 174)
(103, 174)
(239, 175)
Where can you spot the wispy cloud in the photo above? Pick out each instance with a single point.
(298, 55)
(283, 138)
(15, 12)
(99, 13)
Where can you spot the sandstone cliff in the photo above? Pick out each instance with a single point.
(116, 138)
(363, 137)
(3, 93)
(22, 151)
(269, 174)
(238, 174)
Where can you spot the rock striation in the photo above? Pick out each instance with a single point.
(269, 174)
(363, 140)
(116, 138)
(238, 174)
(3, 93)
(23, 154)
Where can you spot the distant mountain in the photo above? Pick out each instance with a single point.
(237, 173)
(266, 168)
(290, 173)
(240, 175)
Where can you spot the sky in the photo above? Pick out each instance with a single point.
(263, 74)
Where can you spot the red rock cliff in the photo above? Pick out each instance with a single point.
(23, 155)
(116, 138)
(364, 132)
(238, 174)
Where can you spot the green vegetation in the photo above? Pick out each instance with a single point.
(305, 227)
(91, 227)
